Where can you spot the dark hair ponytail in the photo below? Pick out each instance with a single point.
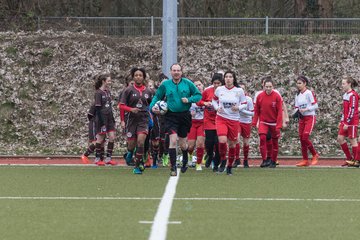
(100, 79)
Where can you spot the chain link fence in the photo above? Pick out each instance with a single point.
(151, 26)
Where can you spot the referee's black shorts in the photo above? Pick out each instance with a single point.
(178, 122)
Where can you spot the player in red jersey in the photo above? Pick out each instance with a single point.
(306, 104)
(349, 120)
(228, 100)
(196, 134)
(104, 121)
(211, 138)
(136, 100)
(285, 117)
(268, 112)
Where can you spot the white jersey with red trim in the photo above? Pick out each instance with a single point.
(226, 98)
(197, 112)
(247, 113)
(306, 100)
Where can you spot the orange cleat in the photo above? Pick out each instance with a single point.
(315, 159)
(100, 163)
(303, 163)
(111, 162)
(148, 161)
(85, 159)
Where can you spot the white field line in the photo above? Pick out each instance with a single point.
(161, 219)
(151, 222)
(186, 199)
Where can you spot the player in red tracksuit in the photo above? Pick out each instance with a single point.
(211, 138)
(349, 121)
(268, 111)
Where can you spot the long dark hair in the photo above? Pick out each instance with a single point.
(100, 79)
(234, 76)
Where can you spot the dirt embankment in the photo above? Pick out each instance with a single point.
(46, 81)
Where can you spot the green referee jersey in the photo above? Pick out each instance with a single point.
(174, 92)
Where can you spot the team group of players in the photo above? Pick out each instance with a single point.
(210, 121)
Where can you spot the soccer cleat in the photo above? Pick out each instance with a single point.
(277, 162)
(303, 163)
(222, 166)
(99, 162)
(148, 161)
(272, 164)
(184, 168)
(165, 160)
(154, 166)
(141, 166)
(137, 171)
(228, 170)
(236, 163)
(315, 159)
(85, 159)
(353, 163)
(246, 164)
(266, 163)
(205, 157)
(111, 162)
(129, 160)
(198, 167)
(207, 163)
(345, 164)
(173, 171)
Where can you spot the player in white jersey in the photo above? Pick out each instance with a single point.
(228, 101)
(196, 134)
(244, 129)
(306, 104)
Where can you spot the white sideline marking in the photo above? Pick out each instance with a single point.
(151, 222)
(161, 219)
(79, 198)
(186, 199)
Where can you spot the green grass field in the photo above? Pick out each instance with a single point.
(108, 203)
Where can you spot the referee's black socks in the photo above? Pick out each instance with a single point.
(172, 155)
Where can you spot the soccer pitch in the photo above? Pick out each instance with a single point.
(62, 202)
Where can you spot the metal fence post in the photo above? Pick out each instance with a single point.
(152, 25)
(38, 23)
(267, 25)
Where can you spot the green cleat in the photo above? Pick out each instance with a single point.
(165, 160)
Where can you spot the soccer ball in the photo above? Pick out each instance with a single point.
(162, 105)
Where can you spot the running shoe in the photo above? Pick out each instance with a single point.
(85, 159)
(137, 171)
(303, 163)
(315, 159)
(198, 167)
(165, 160)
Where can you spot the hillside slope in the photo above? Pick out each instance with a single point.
(46, 82)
